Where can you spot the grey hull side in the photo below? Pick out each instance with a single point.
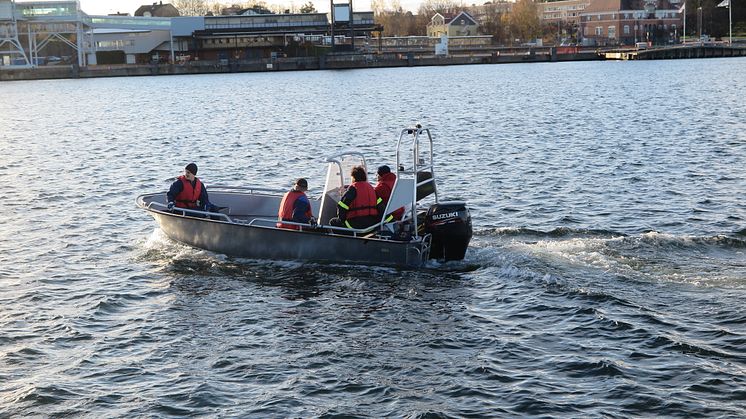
(259, 242)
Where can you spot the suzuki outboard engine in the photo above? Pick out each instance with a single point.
(449, 223)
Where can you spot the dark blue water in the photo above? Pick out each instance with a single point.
(606, 278)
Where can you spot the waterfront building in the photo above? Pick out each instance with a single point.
(461, 24)
(627, 22)
(260, 35)
(157, 10)
(31, 31)
(565, 12)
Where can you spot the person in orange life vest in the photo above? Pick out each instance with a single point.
(357, 208)
(383, 189)
(188, 191)
(295, 206)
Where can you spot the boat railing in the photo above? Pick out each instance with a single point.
(267, 222)
(250, 189)
(186, 211)
(419, 165)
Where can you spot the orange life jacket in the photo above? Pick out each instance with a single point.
(189, 195)
(364, 203)
(384, 189)
(285, 213)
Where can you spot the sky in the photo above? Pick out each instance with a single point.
(105, 7)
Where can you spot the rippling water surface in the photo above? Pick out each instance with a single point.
(607, 275)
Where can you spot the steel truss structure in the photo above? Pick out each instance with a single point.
(9, 35)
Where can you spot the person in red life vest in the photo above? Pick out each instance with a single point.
(188, 191)
(383, 189)
(358, 207)
(295, 206)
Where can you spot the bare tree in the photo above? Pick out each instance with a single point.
(523, 21)
(308, 8)
(444, 7)
(492, 22)
(192, 7)
(393, 18)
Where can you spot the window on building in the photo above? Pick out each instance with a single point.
(612, 32)
(626, 29)
(599, 30)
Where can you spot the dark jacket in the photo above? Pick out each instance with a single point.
(178, 186)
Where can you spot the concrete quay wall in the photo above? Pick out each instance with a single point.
(677, 52)
(326, 62)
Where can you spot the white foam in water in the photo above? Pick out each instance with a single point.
(648, 257)
(171, 250)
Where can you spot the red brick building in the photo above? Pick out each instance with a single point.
(625, 22)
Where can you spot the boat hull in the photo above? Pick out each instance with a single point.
(259, 242)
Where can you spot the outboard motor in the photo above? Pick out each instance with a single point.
(449, 223)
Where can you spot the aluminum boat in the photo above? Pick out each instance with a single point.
(246, 227)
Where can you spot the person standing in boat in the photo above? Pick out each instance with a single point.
(384, 187)
(188, 191)
(358, 206)
(295, 206)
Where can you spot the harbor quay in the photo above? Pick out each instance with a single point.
(359, 61)
(324, 62)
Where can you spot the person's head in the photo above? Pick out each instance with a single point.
(190, 171)
(358, 174)
(301, 185)
(382, 170)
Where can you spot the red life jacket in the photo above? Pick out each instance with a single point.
(285, 213)
(364, 203)
(189, 195)
(384, 189)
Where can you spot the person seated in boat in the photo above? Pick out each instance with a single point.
(295, 206)
(189, 192)
(384, 187)
(358, 206)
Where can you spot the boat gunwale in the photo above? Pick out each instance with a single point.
(140, 203)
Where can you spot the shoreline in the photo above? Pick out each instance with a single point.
(361, 61)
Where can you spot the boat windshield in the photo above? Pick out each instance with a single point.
(337, 179)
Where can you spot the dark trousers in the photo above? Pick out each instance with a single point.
(357, 222)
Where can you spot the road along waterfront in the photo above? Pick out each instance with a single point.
(607, 273)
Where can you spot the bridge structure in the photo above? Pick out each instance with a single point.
(27, 28)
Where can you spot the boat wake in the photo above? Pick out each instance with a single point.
(695, 260)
